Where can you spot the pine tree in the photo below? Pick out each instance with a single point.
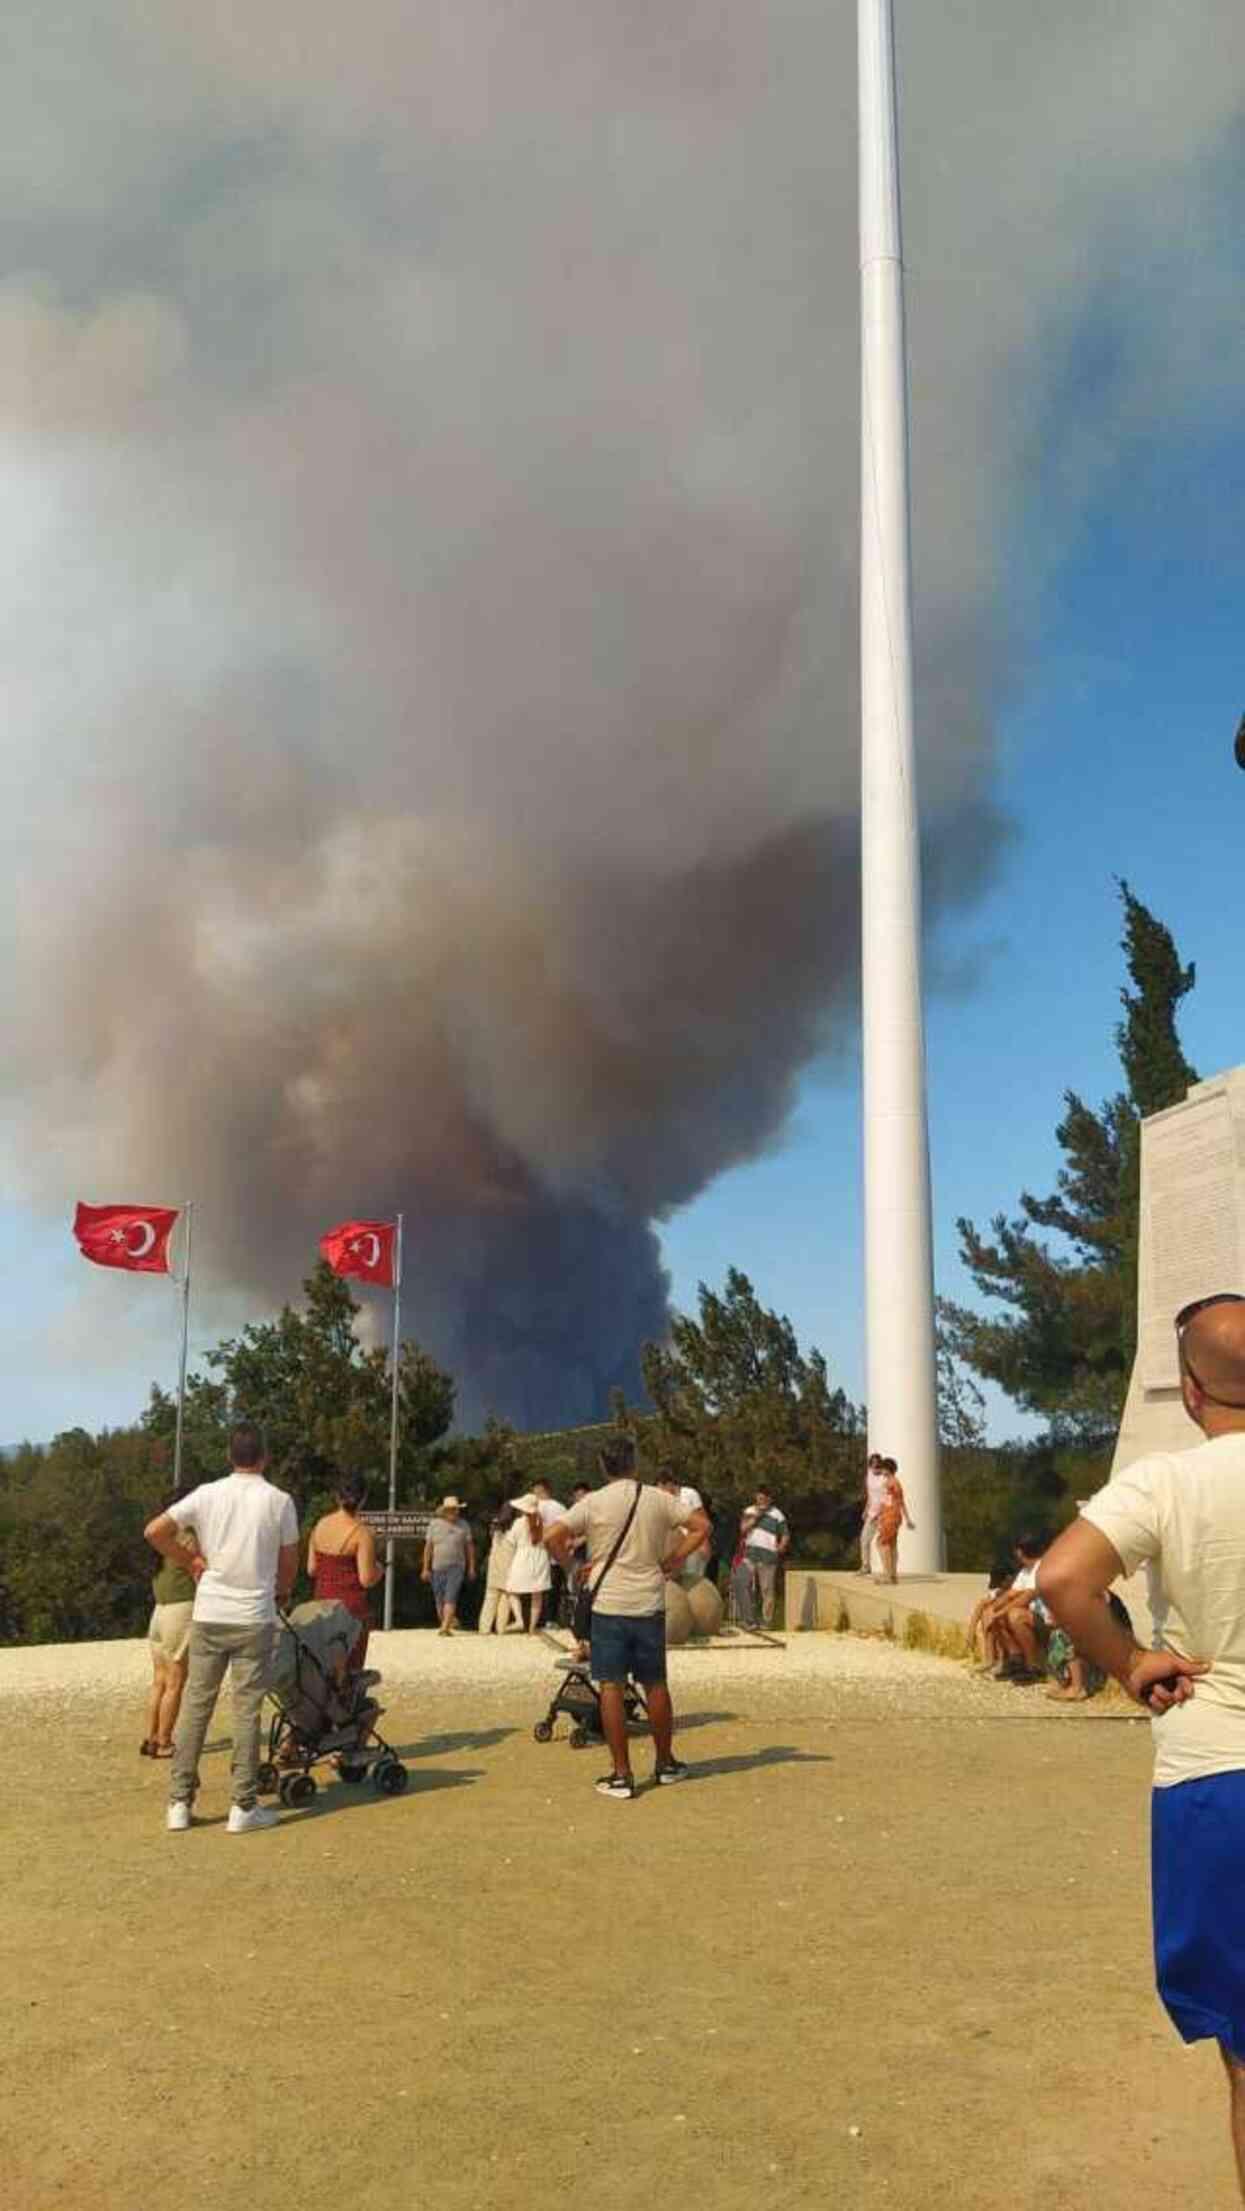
(1065, 1348)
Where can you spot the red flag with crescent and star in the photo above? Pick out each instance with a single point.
(135, 1237)
(364, 1248)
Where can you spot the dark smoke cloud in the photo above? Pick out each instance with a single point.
(428, 451)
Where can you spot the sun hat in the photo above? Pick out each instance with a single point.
(525, 1503)
(451, 1504)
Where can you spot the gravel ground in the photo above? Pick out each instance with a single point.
(887, 1947)
(807, 1676)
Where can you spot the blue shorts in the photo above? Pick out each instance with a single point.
(622, 1646)
(446, 1583)
(1197, 1862)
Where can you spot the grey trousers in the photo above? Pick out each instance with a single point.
(766, 1571)
(246, 1653)
(744, 1591)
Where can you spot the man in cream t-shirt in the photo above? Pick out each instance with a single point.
(637, 1539)
(1182, 1513)
(248, 1535)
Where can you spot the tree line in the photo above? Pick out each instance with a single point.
(732, 1398)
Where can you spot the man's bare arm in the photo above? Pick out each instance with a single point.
(1073, 1579)
(287, 1571)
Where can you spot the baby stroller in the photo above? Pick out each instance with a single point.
(322, 1710)
(580, 1699)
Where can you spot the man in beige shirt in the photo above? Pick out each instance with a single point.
(637, 1540)
(1182, 1514)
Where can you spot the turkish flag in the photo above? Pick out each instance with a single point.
(364, 1248)
(132, 1236)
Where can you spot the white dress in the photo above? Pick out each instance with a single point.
(529, 1575)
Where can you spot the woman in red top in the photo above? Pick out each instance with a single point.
(892, 1517)
(341, 1559)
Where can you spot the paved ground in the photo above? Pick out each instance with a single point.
(888, 1948)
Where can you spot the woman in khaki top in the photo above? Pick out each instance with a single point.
(168, 1640)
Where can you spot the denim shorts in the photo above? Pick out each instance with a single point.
(622, 1646)
(446, 1583)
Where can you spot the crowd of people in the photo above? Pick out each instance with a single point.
(229, 1557)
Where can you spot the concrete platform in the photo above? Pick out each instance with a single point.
(833, 1600)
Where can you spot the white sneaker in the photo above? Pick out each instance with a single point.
(177, 1818)
(260, 1815)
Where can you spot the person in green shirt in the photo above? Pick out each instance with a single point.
(168, 1639)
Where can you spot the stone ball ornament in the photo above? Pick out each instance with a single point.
(678, 1614)
(704, 1602)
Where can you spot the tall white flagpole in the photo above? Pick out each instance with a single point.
(393, 1417)
(188, 1210)
(899, 1291)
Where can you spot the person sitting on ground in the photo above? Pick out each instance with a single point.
(342, 1562)
(168, 1640)
(449, 1556)
(1018, 1631)
(892, 1516)
(495, 1611)
(638, 1539)
(1073, 1677)
(981, 1640)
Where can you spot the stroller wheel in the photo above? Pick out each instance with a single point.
(579, 1738)
(350, 1770)
(297, 1788)
(267, 1780)
(389, 1777)
(543, 1731)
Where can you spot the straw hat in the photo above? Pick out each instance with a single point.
(451, 1504)
(526, 1503)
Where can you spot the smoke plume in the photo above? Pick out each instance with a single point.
(428, 448)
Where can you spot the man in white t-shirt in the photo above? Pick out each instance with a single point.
(691, 1501)
(1182, 1513)
(248, 1535)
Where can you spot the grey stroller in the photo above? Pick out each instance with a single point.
(322, 1710)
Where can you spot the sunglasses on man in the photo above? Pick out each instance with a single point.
(1190, 1312)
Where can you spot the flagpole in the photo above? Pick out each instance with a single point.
(393, 1419)
(899, 1287)
(181, 1380)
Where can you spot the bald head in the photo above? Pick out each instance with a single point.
(1213, 1355)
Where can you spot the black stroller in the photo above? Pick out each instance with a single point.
(580, 1699)
(322, 1710)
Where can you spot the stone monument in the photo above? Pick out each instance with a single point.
(1192, 1243)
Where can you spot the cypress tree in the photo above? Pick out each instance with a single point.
(1064, 1347)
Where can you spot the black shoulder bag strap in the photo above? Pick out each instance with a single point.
(594, 1592)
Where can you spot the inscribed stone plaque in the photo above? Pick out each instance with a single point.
(1192, 1242)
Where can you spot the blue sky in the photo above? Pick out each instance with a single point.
(1116, 760)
